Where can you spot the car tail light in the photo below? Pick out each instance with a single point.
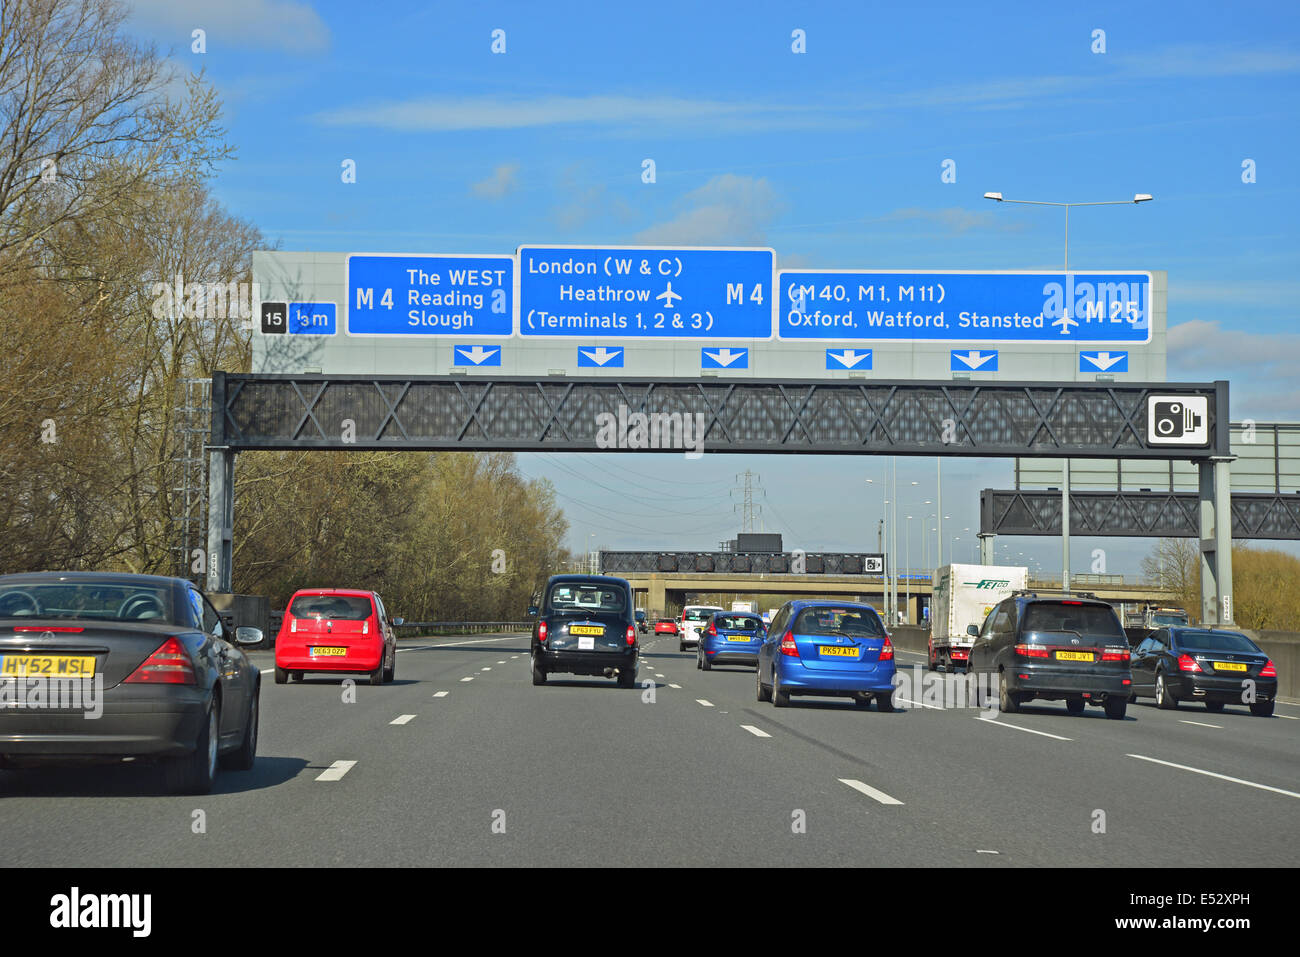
(887, 650)
(1187, 663)
(541, 631)
(788, 647)
(1114, 654)
(631, 634)
(713, 629)
(365, 628)
(1269, 671)
(1031, 651)
(169, 665)
(293, 624)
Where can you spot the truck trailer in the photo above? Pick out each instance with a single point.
(964, 595)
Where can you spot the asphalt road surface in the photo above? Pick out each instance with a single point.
(463, 762)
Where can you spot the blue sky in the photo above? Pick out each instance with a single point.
(833, 157)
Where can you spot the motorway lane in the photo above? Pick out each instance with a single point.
(582, 772)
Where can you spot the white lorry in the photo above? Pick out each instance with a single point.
(747, 607)
(964, 595)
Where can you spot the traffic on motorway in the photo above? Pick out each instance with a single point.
(167, 682)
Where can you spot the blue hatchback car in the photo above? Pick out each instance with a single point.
(732, 637)
(830, 649)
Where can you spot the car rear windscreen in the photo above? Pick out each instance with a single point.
(575, 596)
(737, 622)
(854, 622)
(87, 601)
(1081, 619)
(1216, 641)
(333, 607)
(698, 614)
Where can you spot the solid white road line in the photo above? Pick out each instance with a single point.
(469, 678)
(869, 791)
(921, 704)
(1017, 727)
(756, 732)
(1200, 724)
(402, 719)
(702, 701)
(335, 771)
(481, 641)
(1211, 774)
(440, 694)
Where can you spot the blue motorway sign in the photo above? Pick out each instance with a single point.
(646, 293)
(1103, 362)
(443, 295)
(601, 357)
(312, 318)
(965, 307)
(479, 354)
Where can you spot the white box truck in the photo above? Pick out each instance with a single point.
(964, 595)
(747, 607)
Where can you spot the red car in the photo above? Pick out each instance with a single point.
(666, 626)
(336, 630)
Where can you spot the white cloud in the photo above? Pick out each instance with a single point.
(504, 179)
(275, 24)
(956, 219)
(1261, 367)
(728, 210)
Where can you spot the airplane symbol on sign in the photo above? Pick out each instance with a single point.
(1065, 322)
(668, 296)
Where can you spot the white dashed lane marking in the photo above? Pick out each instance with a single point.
(1016, 727)
(869, 791)
(335, 771)
(468, 678)
(402, 719)
(440, 694)
(1200, 724)
(702, 701)
(756, 732)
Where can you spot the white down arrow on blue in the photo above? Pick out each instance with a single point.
(724, 358)
(848, 359)
(477, 356)
(1103, 362)
(601, 357)
(974, 360)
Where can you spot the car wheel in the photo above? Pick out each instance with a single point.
(243, 758)
(1133, 698)
(1074, 704)
(1262, 709)
(539, 673)
(1164, 699)
(391, 672)
(1215, 706)
(974, 687)
(705, 664)
(194, 773)
(764, 693)
(885, 701)
(296, 675)
(681, 646)
(1116, 707)
(281, 676)
(377, 676)
(627, 677)
(862, 700)
(1007, 702)
(929, 659)
(779, 698)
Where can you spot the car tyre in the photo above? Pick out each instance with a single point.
(1214, 706)
(1262, 709)
(243, 758)
(681, 646)
(1116, 707)
(391, 672)
(764, 693)
(195, 773)
(296, 675)
(627, 677)
(1164, 700)
(705, 664)
(885, 701)
(1074, 704)
(539, 673)
(281, 676)
(377, 676)
(779, 698)
(862, 700)
(1007, 702)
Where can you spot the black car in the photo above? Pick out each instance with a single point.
(1071, 648)
(1200, 664)
(134, 666)
(642, 625)
(586, 626)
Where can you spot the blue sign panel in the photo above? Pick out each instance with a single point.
(974, 360)
(1103, 362)
(723, 357)
(312, 318)
(601, 357)
(430, 295)
(965, 307)
(646, 293)
(476, 355)
(841, 359)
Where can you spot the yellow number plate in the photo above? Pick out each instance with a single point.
(1229, 666)
(586, 630)
(1074, 656)
(48, 666)
(832, 651)
(329, 652)
(739, 638)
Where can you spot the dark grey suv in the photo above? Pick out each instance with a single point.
(586, 626)
(1055, 648)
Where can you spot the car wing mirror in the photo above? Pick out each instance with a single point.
(532, 611)
(245, 635)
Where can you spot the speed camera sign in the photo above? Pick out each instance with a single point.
(1178, 420)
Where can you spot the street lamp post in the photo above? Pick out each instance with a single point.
(1065, 461)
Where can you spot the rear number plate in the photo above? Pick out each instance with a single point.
(48, 666)
(739, 638)
(831, 651)
(1074, 656)
(586, 630)
(1229, 666)
(329, 652)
